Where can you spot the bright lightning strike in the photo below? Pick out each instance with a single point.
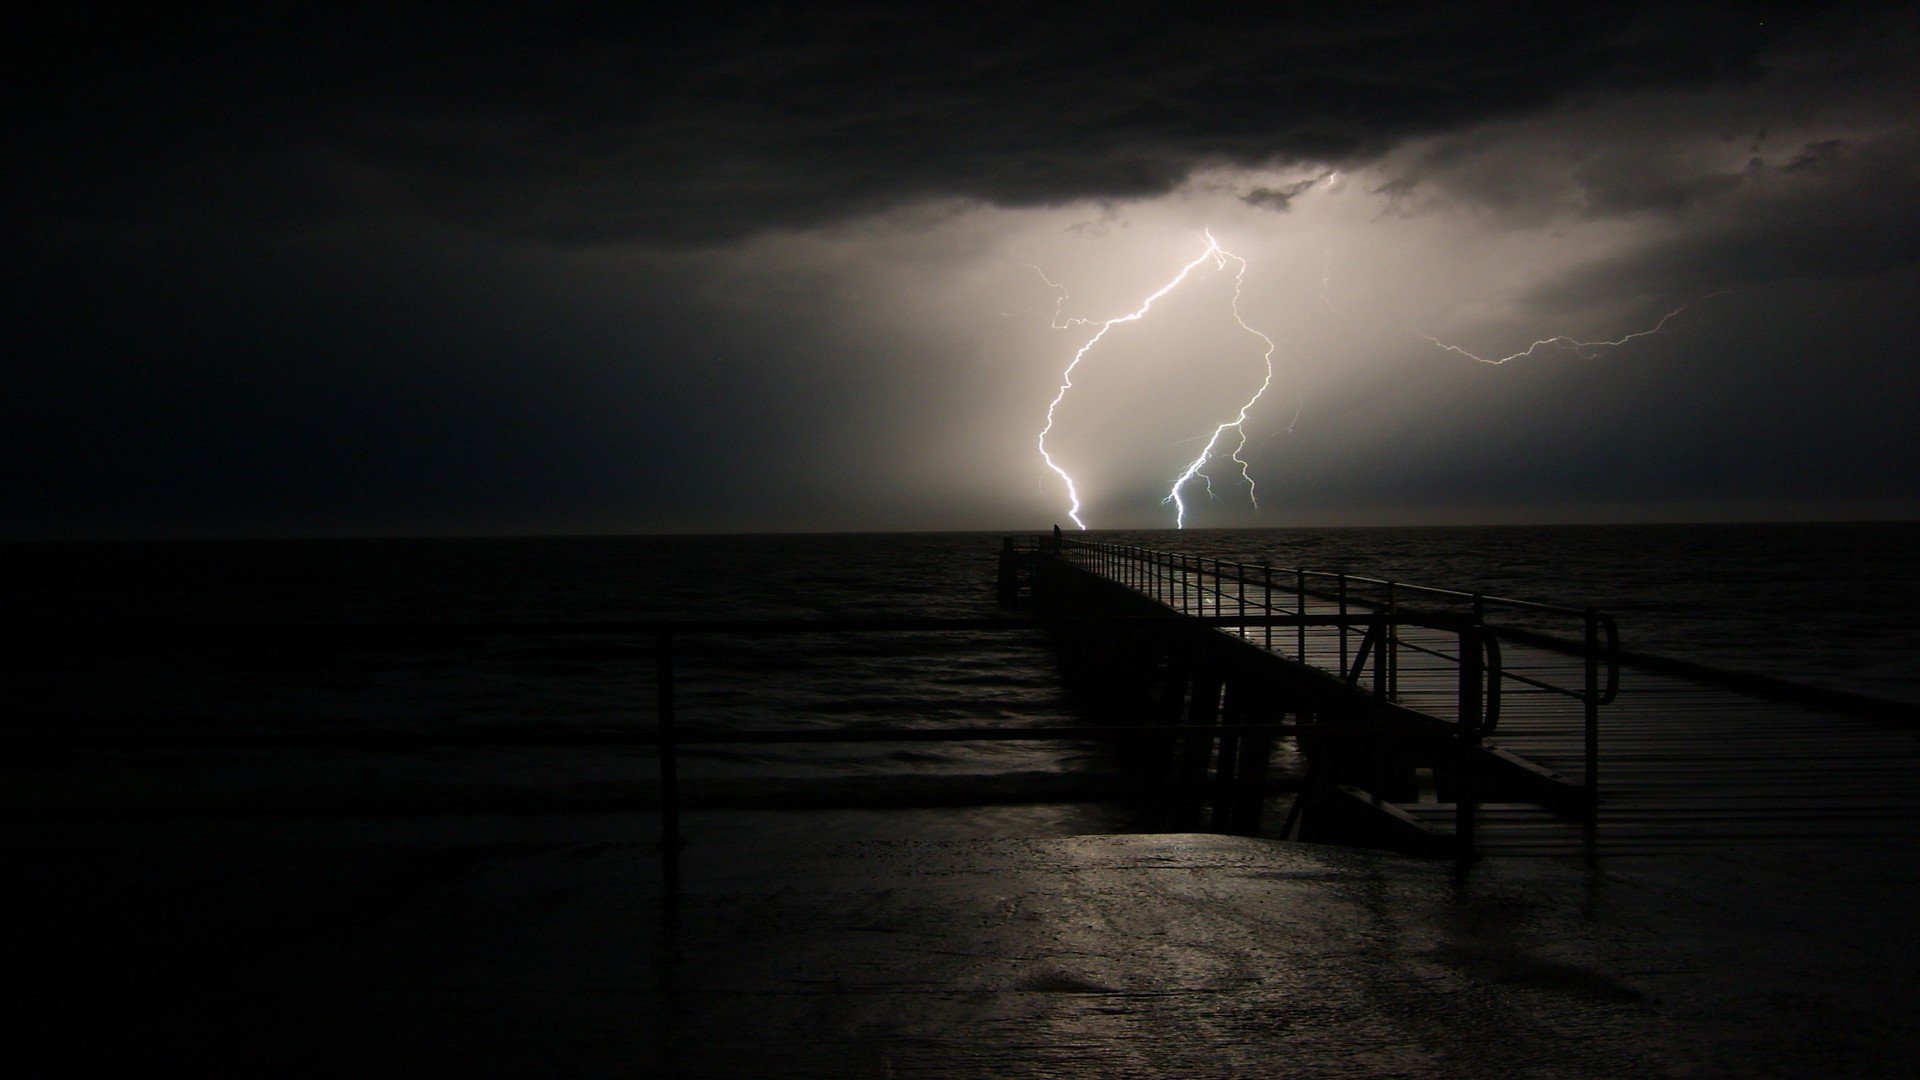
(1220, 258)
(1238, 425)
(1586, 350)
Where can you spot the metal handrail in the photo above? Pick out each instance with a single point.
(1598, 647)
(1609, 655)
(1490, 644)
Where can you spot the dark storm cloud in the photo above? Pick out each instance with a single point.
(580, 123)
(1280, 198)
(229, 389)
(1726, 199)
(295, 268)
(1834, 209)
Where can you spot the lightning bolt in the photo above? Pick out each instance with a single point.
(1220, 258)
(1586, 350)
(1239, 422)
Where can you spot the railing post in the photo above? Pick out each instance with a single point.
(1591, 702)
(670, 839)
(1266, 591)
(1466, 792)
(1300, 609)
(1382, 629)
(1392, 644)
(1240, 573)
(1226, 804)
(1343, 620)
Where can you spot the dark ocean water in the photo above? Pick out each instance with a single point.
(1829, 605)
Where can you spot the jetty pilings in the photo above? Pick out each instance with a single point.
(1167, 651)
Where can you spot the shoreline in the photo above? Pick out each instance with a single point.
(504, 946)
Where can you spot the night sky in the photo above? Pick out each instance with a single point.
(320, 270)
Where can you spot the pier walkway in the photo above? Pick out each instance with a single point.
(1678, 763)
(455, 937)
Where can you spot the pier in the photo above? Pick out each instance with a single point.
(357, 918)
(1438, 722)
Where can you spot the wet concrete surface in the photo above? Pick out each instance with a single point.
(514, 948)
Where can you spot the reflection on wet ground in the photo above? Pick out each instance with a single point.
(522, 947)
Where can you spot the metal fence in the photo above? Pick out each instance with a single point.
(1408, 614)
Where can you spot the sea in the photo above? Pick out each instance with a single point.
(302, 705)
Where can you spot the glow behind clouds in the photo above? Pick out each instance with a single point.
(510, 270)
(1221, 260)
(1382, 407)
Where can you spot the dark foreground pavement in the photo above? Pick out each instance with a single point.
(529, 948)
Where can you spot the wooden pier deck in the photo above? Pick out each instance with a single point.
(1686, 766)
(1683, 765)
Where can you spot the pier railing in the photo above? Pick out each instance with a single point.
(1409, 653)
(1234, 795)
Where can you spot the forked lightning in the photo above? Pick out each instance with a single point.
(1221, 259)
